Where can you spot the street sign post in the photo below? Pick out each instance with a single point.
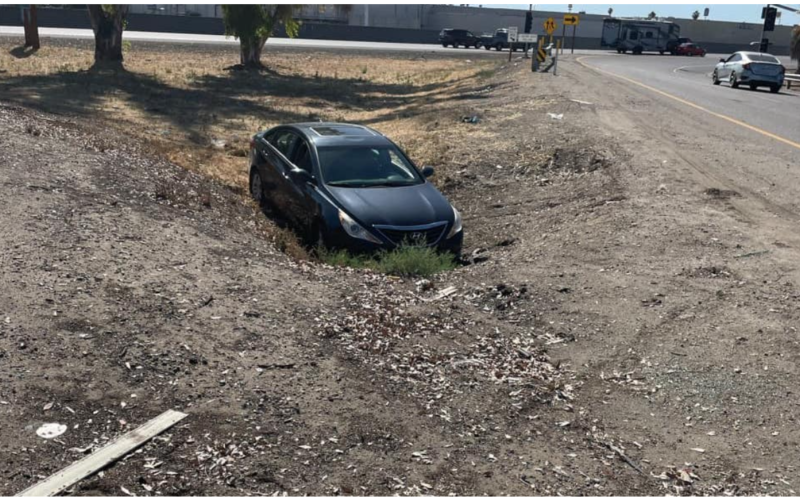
(513, 32)
(571, 20)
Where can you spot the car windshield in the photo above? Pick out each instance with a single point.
(363, 166)
(763, 58)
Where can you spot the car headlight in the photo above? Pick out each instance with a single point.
(355, 230)
(456, 224)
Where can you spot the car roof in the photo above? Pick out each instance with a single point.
(339, 134)
(748, 54)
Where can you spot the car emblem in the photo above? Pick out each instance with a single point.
(417, 237)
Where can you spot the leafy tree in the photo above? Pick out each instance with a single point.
(696, 15)
(794, 50)
(108, 21)
(652, 15)
(254, 24)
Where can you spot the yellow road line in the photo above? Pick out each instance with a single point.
(691, 104)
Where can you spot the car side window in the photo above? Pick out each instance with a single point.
(648, 34)
(734, 58)
(634, 35)
(302, 156)
(282, 140)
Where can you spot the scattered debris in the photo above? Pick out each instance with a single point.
(101, 458)
(556, 116)
(50, 431)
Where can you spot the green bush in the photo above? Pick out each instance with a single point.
(406, 260)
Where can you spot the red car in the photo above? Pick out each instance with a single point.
(690, 49)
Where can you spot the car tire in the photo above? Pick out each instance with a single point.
(487, 47)
(257, 187)
(444, 45)
(733, 81)
(714, 78)
(753, 87)
(497, 48)
(661, 52)
(775, 89)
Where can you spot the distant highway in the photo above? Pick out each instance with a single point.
(277, 42)
(688, 79)
(272, 42)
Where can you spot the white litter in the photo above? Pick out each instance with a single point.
(556, 116)
(50, 431)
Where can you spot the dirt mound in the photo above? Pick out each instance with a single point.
(576, 160)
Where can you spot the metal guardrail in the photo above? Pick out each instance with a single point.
(789, 79)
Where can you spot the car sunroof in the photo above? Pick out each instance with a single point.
(334, 131)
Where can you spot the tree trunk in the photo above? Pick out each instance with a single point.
(31, 25)
(251, 52)
(107, 27)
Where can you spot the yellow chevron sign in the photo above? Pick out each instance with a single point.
(571, 20)
(541, 55)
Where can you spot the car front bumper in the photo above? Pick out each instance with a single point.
(339, 239)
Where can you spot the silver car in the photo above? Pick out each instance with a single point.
(750, 68)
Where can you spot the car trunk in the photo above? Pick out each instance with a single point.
(765, 69)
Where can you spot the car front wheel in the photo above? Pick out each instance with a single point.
(257, 187)
(715, 78)
(733, 81)
(775, 89)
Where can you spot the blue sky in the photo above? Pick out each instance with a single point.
(731, 12)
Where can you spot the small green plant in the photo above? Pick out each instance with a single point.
(126, 46)
(363, 70)
(406, 260)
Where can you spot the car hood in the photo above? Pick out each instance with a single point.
(395, 206)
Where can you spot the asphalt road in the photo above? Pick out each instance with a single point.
(688, 78)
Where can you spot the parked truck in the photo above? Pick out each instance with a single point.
(640, 35)
(499, 41)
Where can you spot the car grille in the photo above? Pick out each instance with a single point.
(420, 235)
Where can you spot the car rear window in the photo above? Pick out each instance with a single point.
(763, 58)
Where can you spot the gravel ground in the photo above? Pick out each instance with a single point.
(619, 329)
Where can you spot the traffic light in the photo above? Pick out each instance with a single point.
(528, 21)
(769, 14)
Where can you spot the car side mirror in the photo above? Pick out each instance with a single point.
(722, 60)
(427, 171)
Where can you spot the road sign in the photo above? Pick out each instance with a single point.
(571, 20)
(512, 34)
(550, 25)
(527, 38)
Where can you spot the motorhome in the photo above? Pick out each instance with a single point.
(639, 35)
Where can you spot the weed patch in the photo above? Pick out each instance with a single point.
(406, 260)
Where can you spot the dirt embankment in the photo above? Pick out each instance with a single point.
(616, 319)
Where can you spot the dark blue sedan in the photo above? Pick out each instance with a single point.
(348, 186)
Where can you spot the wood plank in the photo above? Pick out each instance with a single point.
(109, 453)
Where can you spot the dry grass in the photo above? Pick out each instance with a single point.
(185, 103)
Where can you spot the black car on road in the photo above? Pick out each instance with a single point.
(348, 186)
(455, 38)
